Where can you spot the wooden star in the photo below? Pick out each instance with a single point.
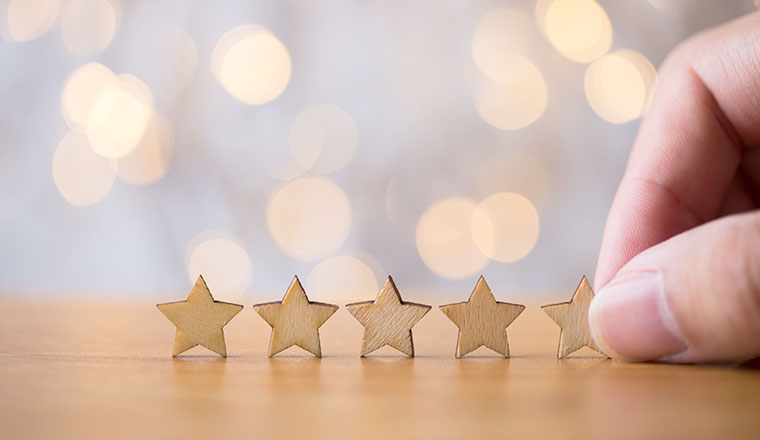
(482, 320)
(295, 320)
(388, 320)
(199, 320)
(572, 317)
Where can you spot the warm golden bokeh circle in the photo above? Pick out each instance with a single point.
(444, 239)
(457, 237)
(579, 29)
(223, 262)
(309, 218)
(517, 100)
(82, 88)
(619, 86)
(148, 162)
(116, 123)
(115, 113)
(29, 19)
(87, 26)
(81, 176)
(505, 227)
(112, 110)
(137, 88)
(251, 64)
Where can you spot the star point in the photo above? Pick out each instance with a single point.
(482, 320)
(388, 320)
(295, 320)
(572, 318)
(199, 320)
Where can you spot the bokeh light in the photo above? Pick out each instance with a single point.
(619, 86)
(81, 176)
(87, 26)
(29, 19)
(223, 262)
(519, 97)
(148, 162)
(445, 239)
(251, 64)
(309, 218)
(82, 88)
(112, 110)
(499, 35)
(137, 88)
(579, 29)
(341, 278)
(323, 138)
(505, 227)
(117, 120)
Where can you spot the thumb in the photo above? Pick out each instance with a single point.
(693, 298)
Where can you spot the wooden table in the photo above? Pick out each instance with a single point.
(105, 371)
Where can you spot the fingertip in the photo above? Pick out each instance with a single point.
(598, 336)
(629, 319)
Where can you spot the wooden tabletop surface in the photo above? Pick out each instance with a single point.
(106, 371)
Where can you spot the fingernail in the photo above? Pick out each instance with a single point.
(630, 319)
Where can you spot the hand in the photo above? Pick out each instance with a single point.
(678, 276)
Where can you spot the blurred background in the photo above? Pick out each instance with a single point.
(143, 143)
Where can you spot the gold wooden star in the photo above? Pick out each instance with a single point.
(388, 320)
(199, 320)
(572, 317)
(482, 320)
(295, 320)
